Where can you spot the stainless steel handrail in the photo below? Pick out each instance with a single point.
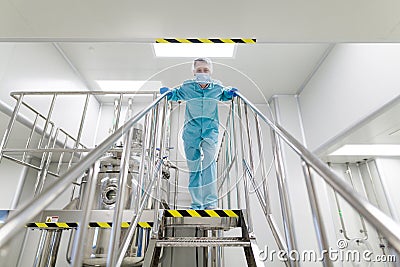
(14, 224)
(383, 223)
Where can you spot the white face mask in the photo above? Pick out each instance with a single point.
(203, 78)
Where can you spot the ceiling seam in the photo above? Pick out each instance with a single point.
(315, 69)
(74, 69)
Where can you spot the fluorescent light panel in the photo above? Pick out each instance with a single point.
(367, 150)
(128, 85)
(193, 50)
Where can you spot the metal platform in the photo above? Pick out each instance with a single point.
(203, 242)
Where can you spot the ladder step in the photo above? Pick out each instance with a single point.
(203, 242)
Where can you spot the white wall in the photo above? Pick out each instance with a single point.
(389, 169)
(354, 81)
(288, 117)
(37, 67)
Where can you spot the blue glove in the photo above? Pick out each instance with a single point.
(233, 91)
(164, 90)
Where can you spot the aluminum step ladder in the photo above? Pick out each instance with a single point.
(180, 228)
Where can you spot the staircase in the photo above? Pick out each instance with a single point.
(138, 166)
(201, 229)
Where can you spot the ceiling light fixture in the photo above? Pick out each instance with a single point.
(367, 150)
(225, 50)
(128, 85)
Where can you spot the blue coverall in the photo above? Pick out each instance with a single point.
(200, 133)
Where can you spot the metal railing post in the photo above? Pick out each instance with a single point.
(131, 230)
(79, 241)
(119, 205)
(48, 120)
(234, 145)
(317, 216)
(78, 138)
(261, 160)
(140, 186)
(8, 130)
(159, 177)
(13, 225)
(245, 177)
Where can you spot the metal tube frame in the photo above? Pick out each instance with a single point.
(80, 236)
(317, 217)
(8, 130)
(233, 133)
(29, 210)
(131, 230)
(274, 228)
(382, 222)
(245, 179)
(283, 193)
(159, 177)
(119, 205)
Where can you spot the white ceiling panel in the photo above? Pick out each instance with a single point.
(273, 68)
(266, 20)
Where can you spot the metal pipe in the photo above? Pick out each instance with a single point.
(152, 146)
(48, 120)
(227, 177)
(364, 227)
(233, 133)
(281, 175)
(78, 138)
(176, 188)
(42, 173)
(261, 160)
(384, 224)
(20, 186)
(286, 212)
(274, 228)
(62, 155)
(249, 142)
(17, 93)
(22, 162)
(117, 111)
(158, 185)
(80, 237)
(30, 136)
(317, 217)
(46, 255)
(26, 213)
(168, 148)
(141, 167)
(131, 230)
(176, 158)
(8, 130)
(246, 184)
(119, 205)
(343, 230)
(381, 239)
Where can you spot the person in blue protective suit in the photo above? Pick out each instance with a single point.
(200, 132)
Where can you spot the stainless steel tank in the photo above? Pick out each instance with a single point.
(107, 189)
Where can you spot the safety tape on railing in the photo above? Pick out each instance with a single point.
(202, 213)
(67, 225)
(207, 41)
(64, 225)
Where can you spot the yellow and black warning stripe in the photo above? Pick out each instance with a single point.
(67, 225)
(202, 213)
(64, 225)
(123, 224)
(206, 41)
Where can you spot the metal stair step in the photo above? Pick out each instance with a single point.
(203, 242)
